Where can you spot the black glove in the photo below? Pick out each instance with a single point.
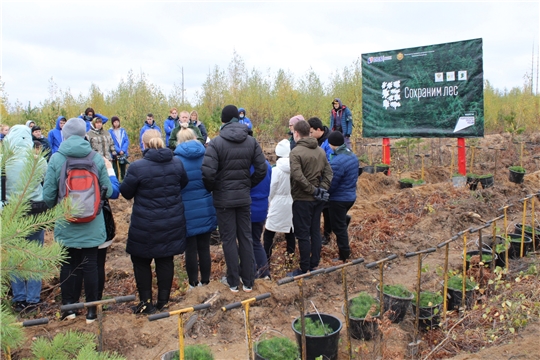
(321, 194)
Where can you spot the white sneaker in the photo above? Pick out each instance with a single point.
(247, 288)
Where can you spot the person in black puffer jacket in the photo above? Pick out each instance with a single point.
(158, 226)
(226, 173)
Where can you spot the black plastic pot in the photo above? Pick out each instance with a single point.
(383, 169)
(396, 307)
(360, 169)
(472, 182)
(320, 345)
(427, 312)
(369, 169)
(476, 252)
(429, 323)
(514, 251)
(486, 182)
(169, 355)
(516, 177)
(455, 296)
(518, 228)
(362, 328)
(405, 185)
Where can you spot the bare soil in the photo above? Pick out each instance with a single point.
(385, 220)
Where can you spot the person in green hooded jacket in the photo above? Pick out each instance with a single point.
(80, 239)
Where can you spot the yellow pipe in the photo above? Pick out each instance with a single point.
(445, 287)
(533, 224)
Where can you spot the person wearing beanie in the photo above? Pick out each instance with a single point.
(293, 121)
(80, 239)
(149, 124)
(184, 119)
(280, 217)
(121, 145)
(311, 176)
(341, 120)
(55, 135)
(226, 173)
(243, 119)
(342, 191)
(100, 140)
(89, 115)
(44, 144)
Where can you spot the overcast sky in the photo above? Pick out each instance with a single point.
(78, 43)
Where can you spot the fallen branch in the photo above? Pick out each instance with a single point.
(446, 338)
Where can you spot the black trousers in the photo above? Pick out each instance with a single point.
(235, 223)
(80, 264)
(198, 258)
(268, 238)
(307, 229)
(143, 275)
(338, 218)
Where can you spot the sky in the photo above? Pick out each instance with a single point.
(80, 43)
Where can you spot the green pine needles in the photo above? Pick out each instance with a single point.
(363, 304)
(195, 352)
(277, 348)
(314, 328)
(20, 258)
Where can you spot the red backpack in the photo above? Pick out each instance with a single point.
(79, 180)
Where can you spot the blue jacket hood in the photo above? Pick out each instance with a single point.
(242, 110)
(58, 121)
(339, 102)
(192, 149)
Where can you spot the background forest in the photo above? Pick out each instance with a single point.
(270, 99)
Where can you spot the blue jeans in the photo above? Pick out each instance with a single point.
(28, 290)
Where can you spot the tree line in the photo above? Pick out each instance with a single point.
(270, 100)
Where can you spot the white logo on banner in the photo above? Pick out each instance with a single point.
(464, 122)
(391, 94)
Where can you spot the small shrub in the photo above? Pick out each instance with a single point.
(313, 328)
(456, 283)
(277, 348)
(362, 305)
(399, 291)
(195, 352)
(429, 299)
(411, 181)
(517, 169)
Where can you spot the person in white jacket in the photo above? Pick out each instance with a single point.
(279, 217)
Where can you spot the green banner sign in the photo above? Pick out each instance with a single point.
(428, 91)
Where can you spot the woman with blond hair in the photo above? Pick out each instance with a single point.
(157, 230)
(194, 120)
(200, 212)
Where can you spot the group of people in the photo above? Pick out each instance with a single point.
(200, 186)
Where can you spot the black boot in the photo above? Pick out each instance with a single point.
(145, 306)
(91, 314)
(163, 299)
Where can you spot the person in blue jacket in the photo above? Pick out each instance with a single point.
(200, 213)
(259, 211)
(121, 145)
(170, 123)
(89, 115)
(342, 190)
(243, 119)
(341, 120)
(148, 125)
(55, 135)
